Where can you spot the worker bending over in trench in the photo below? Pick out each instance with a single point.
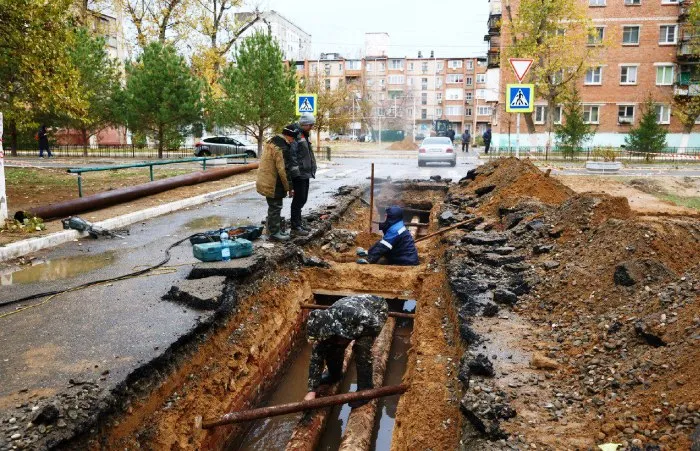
(396, 247)
(358, 318)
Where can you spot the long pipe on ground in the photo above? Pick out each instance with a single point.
(360, 425)
(446, 229)
(391, 314)
(293, 407)
(117, 196)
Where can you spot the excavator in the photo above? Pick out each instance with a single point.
(440, 127)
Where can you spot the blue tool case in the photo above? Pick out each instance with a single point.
(211, 252)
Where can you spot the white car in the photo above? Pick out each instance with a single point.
(225, 145)
(437, 149)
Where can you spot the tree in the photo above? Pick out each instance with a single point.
(162, 97)
(333, 106)
(258, 89)
(648, 136)
(554, 33)
(156, 19)
(99, 82)
(574, 131)
(36, 74)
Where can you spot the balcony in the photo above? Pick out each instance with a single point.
(624, 120)
(692, 89)
(687, 49)
(494, 24)
(494, 59)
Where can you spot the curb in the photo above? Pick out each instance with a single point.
(20, 248)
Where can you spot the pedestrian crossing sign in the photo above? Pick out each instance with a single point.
(306, 103)
(520, 98)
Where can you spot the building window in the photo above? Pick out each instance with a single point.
(630, 35)
(628, 75)
(633, 2)
(596, 36)
(663, 114)
(438, 81)
(382, 82)
(380, 67)
(409, 80)
(480, 93)
(454, 111)
(438, 96)
(625, 114)
(557, 114)
(468, 95)
(455, 64)
(664, 75)
(438, 112)
(558, 77)
(410, 66)
(396, 64)
(424, 67)
(469, 81)
(596, 2)
(590, 114)
(455, 78)
(340, 67)
(396, 79)
(424, 98)
(327, 69)
(667, 34)
(454, 94)
(540, 114)
(483, 111)
(594, 76)
(481, 78)
(424, 114)
(369, 67)
(424, 83)
(468, 111)
(328, 84)
(314, 68)
(440, 66)
(353, 65)
(470, 64)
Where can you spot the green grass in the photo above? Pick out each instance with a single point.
(23, 177)
(688, 202)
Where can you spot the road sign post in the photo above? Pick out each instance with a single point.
(3, 195)
(523, 95)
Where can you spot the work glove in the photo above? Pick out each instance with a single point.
(361, 252)
(362, 261)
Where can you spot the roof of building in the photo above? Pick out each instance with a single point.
(268, 13)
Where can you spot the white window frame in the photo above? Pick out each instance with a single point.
(453, 94)
(636, 74)
(540, 114)
(669, 2)
(664, 65)
(596, 3)
(438, 96)
(468, 111)
(590, 106)
(633, 2)
(626, 106)
(483, 110)
(481, 94)
(593, 82)
(459, 78)
(440, 66)
(454, 64)
(468, 95)
(639, 34)
(396, 79)
(558, 114)
(598, 38)
(675, 34)
(663, 107)
(470, 65)
(395, 66)
(469, 80)
(480, 78)
(457, 110)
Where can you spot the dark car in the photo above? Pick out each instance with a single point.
(225, 145)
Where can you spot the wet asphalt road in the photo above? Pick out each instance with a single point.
(117, 327)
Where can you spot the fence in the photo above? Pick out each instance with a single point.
(669, 154)
(111, 151)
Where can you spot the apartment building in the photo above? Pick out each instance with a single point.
(645, 53)
(410, 93)
(295, 42)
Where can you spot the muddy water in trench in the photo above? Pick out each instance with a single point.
(274, 433)
(57, 269)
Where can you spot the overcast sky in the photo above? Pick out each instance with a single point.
(450, 28)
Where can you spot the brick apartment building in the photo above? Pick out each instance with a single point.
(646, 53)
(410, 93)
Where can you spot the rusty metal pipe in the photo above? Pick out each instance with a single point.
(117, 196)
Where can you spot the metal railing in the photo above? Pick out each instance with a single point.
(109, 151)
(150, 165)
(602, 153)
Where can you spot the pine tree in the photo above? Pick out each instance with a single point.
(648, 136)
(162, 97)
(258, 90)
(574, 131)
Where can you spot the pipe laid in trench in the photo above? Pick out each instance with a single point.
(325, 307)
(360, 425)
(117, 196)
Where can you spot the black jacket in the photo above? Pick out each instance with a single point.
(487, 135)
(303, 161)
(43, 137)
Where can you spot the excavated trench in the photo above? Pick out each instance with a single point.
(259, 357)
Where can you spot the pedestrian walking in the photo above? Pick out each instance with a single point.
(487, 139)
(360, 318)
(303, 168)
(466, 137)
(451, 134)
(43, 138)
(273, 180)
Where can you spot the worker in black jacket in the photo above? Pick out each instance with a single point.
(397, 245)
(303, 168)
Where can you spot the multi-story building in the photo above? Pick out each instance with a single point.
(645, 53)
(410, 93)
(295, 42)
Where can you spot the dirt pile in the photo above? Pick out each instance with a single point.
(406, 144)
(612, 298)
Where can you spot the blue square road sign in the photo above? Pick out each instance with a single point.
(306, 103)
(520, 98)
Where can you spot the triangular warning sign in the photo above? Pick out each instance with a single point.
(520, 66)
(306, 107)
(520, 100)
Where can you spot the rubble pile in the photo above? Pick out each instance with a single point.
(613, 298)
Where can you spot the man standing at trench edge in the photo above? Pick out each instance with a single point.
(360, 318)
(303, 168)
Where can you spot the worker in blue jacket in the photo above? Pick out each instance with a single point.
(397, 245)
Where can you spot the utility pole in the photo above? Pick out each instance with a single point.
(3, 195)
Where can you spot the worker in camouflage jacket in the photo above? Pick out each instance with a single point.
(359, 318)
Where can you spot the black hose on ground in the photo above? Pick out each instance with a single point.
(97, 282)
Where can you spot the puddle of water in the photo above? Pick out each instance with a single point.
(207, 222)
(274, 433)
(57, 269)
(338, 419)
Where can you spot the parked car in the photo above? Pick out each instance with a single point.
(420, 136)
(225, 145)
(437, 149)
